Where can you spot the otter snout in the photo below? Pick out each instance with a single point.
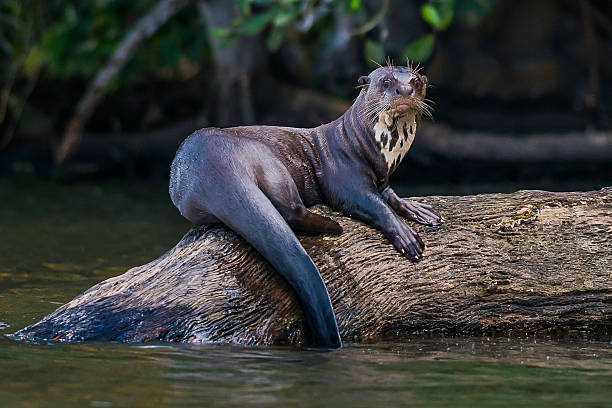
(404, 90)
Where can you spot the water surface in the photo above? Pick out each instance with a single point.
(58, 240)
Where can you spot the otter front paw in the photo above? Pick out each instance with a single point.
(419, 212)
(407, 242)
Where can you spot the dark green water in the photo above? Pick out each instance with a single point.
(56, 241)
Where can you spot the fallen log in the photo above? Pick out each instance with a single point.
(501, 263)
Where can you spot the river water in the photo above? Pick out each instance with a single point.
(58, 240)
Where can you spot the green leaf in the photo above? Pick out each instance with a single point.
(245, 7)
(431, 15)
(374, 52)
(255, 24)
(446, 10)
(447, 18)
(56, 42)
(275, 38)
(439, 15)
(220, 32)
(284, 16)
(33, 60)
(355, 4)
(420, 49)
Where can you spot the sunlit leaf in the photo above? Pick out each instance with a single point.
(285, 16)
(245, 7)
(253, 25)
(438, 14)
(275, 38)
(447, 18)
(420, 49)
(220, 32)
(447, 11)
(431, 15)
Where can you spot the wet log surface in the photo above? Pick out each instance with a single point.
(528, 261)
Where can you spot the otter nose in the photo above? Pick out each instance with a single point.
(404, 90)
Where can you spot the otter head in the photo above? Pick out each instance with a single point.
(392, 99)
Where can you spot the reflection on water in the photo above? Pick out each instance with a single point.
(57, 241)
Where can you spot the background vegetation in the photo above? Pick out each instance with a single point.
(76, 93)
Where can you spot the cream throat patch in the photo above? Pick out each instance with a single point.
(394, 136)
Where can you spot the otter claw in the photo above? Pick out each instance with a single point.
(421, 213)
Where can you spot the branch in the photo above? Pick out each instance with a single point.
(441, 141)
(374, 21)
(144, 29)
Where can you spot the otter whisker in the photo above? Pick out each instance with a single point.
(373, 113)
(414, 68)
(379, 103)
(376, 62)
(422, 105)
(424, 109)
(374, 109)
(391, 65)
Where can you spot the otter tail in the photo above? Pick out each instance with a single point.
(246, 210)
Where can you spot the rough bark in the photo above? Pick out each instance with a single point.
(528, 261)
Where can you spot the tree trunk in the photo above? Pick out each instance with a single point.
(501, 263)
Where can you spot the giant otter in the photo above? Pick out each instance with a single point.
(259, 181)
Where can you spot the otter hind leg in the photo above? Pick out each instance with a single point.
(308, 222)
(281, 190)
(305, 221)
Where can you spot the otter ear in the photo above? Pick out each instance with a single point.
(424, 79)
(363, 80)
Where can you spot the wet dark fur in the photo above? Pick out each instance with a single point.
(258, 180)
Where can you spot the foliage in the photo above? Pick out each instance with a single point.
(274, 17)
(72, 38)
(21, 56)
(439, 14)
(68, 39)
(278, 15)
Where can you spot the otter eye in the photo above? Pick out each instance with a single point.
(386, 84)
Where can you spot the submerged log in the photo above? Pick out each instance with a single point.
(529, 261)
